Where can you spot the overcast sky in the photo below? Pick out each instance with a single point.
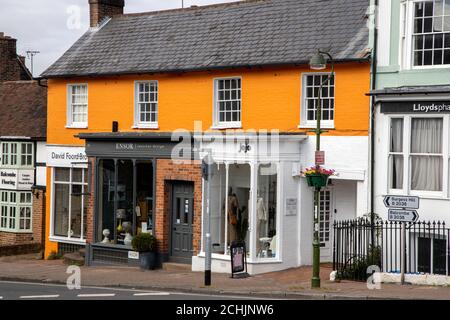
(52, 26)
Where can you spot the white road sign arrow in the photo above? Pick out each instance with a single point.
(404, 202)
(402, 215)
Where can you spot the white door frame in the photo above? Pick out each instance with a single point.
(326, 251)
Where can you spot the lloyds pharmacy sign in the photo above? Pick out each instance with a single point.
(421, 107)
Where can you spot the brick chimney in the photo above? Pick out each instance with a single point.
(100, 9)
(9, 66)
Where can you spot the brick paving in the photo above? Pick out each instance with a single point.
(292, 283)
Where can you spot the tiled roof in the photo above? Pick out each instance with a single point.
(23, 109)
(246, 33)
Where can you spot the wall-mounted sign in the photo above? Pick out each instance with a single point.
(134, 255)
(421, 107)
(16, 179)
(129, 149)
(65, 156)
(320, 158)
(291, 207)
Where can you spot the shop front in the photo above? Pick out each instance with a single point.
(413, 150)
(138, 188)
(254, 196)
(68, 188)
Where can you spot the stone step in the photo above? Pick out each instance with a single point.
(73, 259)
(171, 266)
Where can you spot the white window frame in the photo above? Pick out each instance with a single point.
(138, 124)
(406, 46)
(407, 121)
(70, 122)
(391, 153)
(84, 183)
(217, 124)
(304, 122)
(16, 205)
(18, 155)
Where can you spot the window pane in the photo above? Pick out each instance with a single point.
(396, 135)
(426, 135)
(77, 175)
(62, 174)
(426, 173)
(266, 211)
(61, 210)
(397, 171)
(75, 219)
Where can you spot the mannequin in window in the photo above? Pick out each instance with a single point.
(233, 211)
(261, 218)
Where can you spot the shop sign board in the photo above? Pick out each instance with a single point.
(16, 179)
(238, 258)
(420, 107)
(134, 255)
(65, 156)
(291, 207)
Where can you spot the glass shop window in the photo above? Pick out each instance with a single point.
(266, 211)
(125, 203)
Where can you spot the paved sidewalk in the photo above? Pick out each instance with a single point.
(292, 283)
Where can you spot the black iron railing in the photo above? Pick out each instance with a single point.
(426, 247)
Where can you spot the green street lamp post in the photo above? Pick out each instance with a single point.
(318, 62)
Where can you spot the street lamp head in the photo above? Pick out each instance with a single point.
(318, 61)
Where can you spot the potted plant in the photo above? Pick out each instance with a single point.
(317, 176)
(145, 244)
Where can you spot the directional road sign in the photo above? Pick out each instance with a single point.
(404, 202)
(403, 215)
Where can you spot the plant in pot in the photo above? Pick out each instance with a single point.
(145, 244)
(317, 176)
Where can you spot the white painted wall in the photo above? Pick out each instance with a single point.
(384, 30)
(41, 157)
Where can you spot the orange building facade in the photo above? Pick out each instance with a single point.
(271, 99)
(136, 107)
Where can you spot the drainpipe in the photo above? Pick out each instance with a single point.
(372, 122)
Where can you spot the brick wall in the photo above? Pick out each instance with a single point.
(166, 173)
(38, 225)
(90, 232)
(99, 9)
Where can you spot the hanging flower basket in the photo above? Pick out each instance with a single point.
(317, 177)
(317, 180)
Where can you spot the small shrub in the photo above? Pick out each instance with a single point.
(144, 242)
(54, 256)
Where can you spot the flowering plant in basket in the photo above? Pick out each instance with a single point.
(317, 176)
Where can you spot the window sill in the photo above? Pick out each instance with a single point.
(226, 126)
(66, 240)
(76, 126)
(17, 231)
(314, 126)
(154, 126)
